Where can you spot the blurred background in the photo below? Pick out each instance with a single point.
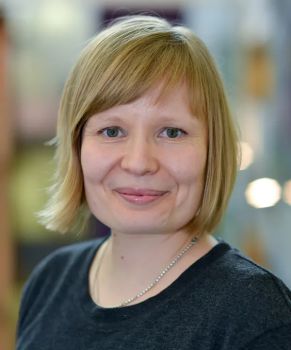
(40, 41)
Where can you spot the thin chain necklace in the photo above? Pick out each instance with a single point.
(161, 274)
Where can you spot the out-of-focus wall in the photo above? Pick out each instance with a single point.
(6, 244)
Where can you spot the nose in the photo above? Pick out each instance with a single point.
(140, 156)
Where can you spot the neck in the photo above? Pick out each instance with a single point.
(128, 263)
(136, 253)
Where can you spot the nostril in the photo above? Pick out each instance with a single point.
(139, 168)
(139, 161)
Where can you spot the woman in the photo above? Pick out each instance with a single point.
(145, 141)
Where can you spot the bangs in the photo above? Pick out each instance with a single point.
(160, 58)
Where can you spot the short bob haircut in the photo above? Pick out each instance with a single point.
(119, 65)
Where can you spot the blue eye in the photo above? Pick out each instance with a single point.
(115, 131)
(112, 131)
(172, 133)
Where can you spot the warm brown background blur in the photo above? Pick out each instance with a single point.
(39, 42)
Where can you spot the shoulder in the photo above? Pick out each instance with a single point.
(247, 277)
(249, 298)
(61, 260)
(53, 274)
(276, 338)
(251, 282)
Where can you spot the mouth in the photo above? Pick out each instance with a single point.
(140, 196)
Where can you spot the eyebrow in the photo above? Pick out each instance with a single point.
(105, 116)
(112, 117)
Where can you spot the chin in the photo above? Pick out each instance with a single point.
(137, 228)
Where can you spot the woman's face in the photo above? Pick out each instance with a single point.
(143, 163)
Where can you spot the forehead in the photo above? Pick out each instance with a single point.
(162, 94)
(160, 98)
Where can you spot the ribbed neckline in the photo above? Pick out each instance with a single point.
(111, 316)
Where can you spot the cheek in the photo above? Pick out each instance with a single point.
(92, 162)
(189, 168)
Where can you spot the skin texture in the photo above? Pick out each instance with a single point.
(143, 157)
(143, 165)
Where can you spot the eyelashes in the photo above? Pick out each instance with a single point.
(117, 132)
(112, 132)
(173, 133)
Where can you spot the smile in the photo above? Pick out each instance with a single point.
(140, 196)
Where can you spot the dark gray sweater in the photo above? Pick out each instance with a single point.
(223, 301)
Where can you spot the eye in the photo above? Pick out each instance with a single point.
(172, 133)
(112, 132)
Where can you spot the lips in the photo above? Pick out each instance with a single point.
(140, 196)
(140, 192)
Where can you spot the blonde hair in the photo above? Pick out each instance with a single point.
(118, 66)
